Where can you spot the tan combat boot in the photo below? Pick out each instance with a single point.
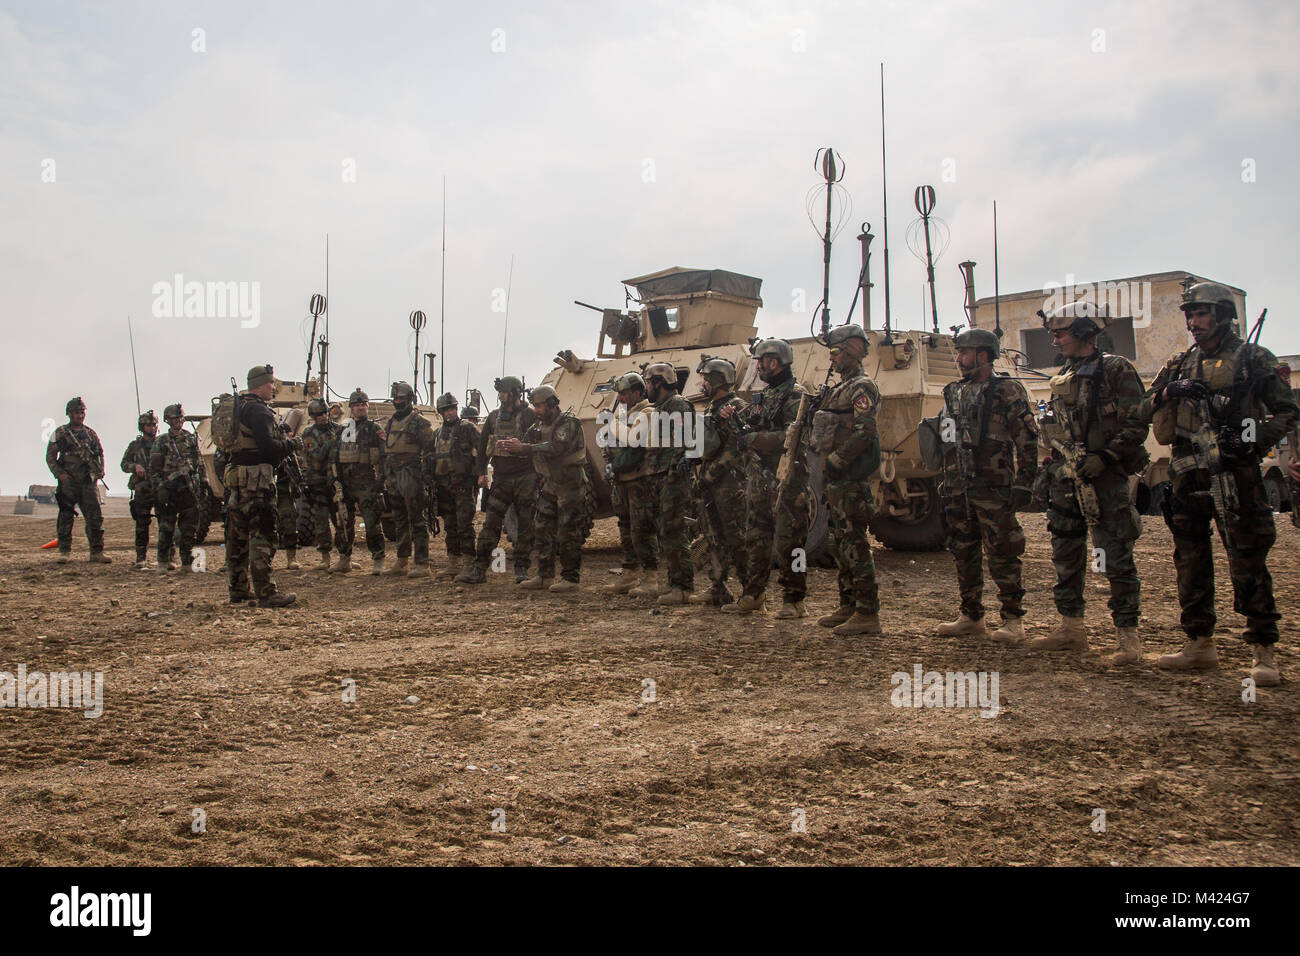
(1012, 631)
(673, 596)
(377, 565)
(1070, 635)
(748, 604)
(623, 584)
(963, 625)
(646, 587)
(173, 565)
(397, 570)
(791, 609)
(420, 570)
(1197, 653)
(536, 583)
(564, 585)
(290, 559)
(859, 623)
(324, 564)
(99, 557)
(837, 616)
(1265, 673)
(1130, 646)
(63, 558)
(343, 565)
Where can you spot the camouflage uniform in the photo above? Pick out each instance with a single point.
(996, 451)
(1093, 399)
(317, 510)
(771, 521)
(455, 446)
(142, 497)
(358, 454)
(251, 516)
(559, 457)
(852, 453)
(665, 468)
(721, 483)
(76, 458)
(173, 468)
(638, 496)
(514, 482)
(287, 500)
(408, 439)
(1243, 383)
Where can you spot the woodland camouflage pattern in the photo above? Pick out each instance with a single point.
(76, 458)
(174, 468)
(455, 447)
(847, 467)
(142, 496)
(720, 478)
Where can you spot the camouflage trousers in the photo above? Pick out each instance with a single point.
(643, 520)
(664, 503)
(316, 516)
(779, 526)
(409, 501)
(456, 495)
(519, 490)
(178, 522)
(250, 542)
(286, 516)
(361, 492)
(79, 494)
(1112, 540)
(722, 507)
(558, 523)
(980, 524)
(141, 513)
(850, 506)
(1250, 534)
(618, 499)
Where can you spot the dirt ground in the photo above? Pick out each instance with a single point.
(533, 705)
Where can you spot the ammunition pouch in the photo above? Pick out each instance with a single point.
(1164, 423)
(822, 435)
(1063, 524)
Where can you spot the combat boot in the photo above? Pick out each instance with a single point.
(563, 586)
(241, 598)
(963, 625)
(142, 564)
(343, 565)
(397, 570)
(278, 599)
(419, 570)
(521, 574)
(99, 557)
(1012, 631)
(623, 584)
(791, 609)
(673, 596)
(377, 565)
(472, 575)
(1130, 646)
(837, 616)
(718, 596)
(1198, 653)
(173, 566)
(646, 587)
(324, 564)
(63, 558)
(537, 583)
(1070, 635)
(452, 568)
(1265, 673)
(291, 559)
(748, 604)
(859, 623)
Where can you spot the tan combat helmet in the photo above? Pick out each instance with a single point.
(661, 370)
(543, 395)
(710, 366)
(1081, 318)
(629, 380)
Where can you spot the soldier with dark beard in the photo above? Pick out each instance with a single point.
(135, 462)
(720, 479)
(358, 455)
(174, 468)
(408, 440)
(455, 445)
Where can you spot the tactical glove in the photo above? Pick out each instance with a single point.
(836, 462)
(1230, 442)
(1186, 388)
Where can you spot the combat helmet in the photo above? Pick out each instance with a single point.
(470, 413)
(543, 395)
(840, 335)
(445, 401)
(1081, 318)
(317, 407)
(978, 339)
(74, 405)
(358, 397)
(147, 418)
(629, 380)
(508, 383)
(661, 370)
(1219, 297)
(173, 411)
(403, 391)
(710, 366)
(778, 347)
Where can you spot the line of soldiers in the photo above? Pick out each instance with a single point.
(1221, 404)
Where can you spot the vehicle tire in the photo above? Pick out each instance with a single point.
(817, 546)
(1277, 497)
(922, 530)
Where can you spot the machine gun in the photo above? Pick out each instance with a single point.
(1072, 460)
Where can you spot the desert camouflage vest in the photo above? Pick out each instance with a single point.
(1074, 390)
(547, 465)
(503, 427)
(444, 449)
(401, 438)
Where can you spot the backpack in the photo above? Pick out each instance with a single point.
(225, 421)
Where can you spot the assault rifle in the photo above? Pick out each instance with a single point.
(1206, 456)
(190, 478)
(808, 406)
(95, 461)
(1073, 456)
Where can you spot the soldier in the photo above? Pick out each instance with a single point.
(76, 458)
(1223, 405)
(1096, 445)
(317, 507)
(987, 478)
(666, 466)
(720, 480)
(135, 462)
(173, 469)
(844, 432)
(455, 445)
(408, 440)
(250, 478)
(559, 455)
(358, 455)
(772, 519)
(470, 414)
(514, 481)
(632, 493)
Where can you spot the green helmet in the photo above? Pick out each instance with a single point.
(470, 412)
(543, 395)
(509, 384)
(1081, 319)
(837, 336)
(1212, 294)
(259, 375)
(778, 347)
(717, 366)
(74, 405)
(173, 411)
(358, 397)
(445, 401)
(401, 389)
(317, 407)
(148, 418)
(978, 339)
(629, 380)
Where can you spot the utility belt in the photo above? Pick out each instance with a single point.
(251, 478)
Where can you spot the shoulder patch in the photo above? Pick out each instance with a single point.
(863, 402)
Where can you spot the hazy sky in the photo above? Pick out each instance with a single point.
(592, 142)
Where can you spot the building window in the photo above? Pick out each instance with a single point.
(1117, 339)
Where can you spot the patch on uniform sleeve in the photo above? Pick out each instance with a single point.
(863, 402)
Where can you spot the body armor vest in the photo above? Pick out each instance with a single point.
(505, 428)
(400, 437)
(545, 464)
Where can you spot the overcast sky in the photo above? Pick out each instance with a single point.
(592, 142)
